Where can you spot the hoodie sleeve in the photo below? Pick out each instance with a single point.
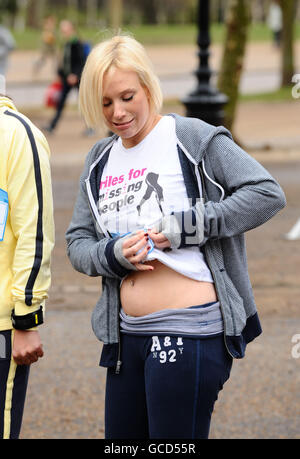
(31, 215)
(89, 253)
(252, 195)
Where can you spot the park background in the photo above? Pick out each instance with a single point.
(67, 387)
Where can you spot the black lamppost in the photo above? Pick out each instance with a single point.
(205, 102)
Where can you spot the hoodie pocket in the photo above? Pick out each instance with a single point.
(235, 305)
(105, 317)
(100, 315)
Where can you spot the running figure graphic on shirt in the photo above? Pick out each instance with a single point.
(152, 186)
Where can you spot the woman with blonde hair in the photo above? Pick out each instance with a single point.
(176, 304)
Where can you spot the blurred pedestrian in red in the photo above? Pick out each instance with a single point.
(70, 69)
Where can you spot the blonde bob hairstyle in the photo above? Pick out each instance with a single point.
(122, 52)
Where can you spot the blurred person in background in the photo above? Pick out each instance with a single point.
(275, 22)
(26, 243)
(70, 69)
(7, 45)
(48, 47)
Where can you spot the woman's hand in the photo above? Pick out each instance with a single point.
(134, 244)
(159, 239)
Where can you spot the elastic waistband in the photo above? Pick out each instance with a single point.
(196, 320)
(198, 306)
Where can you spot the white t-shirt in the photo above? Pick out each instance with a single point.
(140, 185)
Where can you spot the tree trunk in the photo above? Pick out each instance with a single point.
(73, 9)
(92, 12)
(237, 23)
(35, 13)
(116, 14)
(149, 11)
(8, 12)
(287, 60)
(20, 18)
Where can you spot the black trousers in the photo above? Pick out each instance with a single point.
(13, 386)
(62, 102)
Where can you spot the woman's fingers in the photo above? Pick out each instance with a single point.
(140, 254)
(159, 239)
(132, 240)
(135, 249)
(144, 267)
(133, 244)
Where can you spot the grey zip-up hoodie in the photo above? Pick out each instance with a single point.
(232, 193)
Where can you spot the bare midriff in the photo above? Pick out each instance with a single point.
(144, 292)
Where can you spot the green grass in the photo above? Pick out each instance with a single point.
(164, 34)
(155, 35)
(280, 95)
(29, 39)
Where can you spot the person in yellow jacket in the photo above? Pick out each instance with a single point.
(26, 243)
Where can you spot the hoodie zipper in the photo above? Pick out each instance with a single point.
(119, 362)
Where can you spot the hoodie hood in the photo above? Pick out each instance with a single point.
(196, 140)
(7, 103)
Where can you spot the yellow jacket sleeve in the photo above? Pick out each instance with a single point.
(31, 216)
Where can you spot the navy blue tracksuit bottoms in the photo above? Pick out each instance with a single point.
(166, 388)
(13, 386)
